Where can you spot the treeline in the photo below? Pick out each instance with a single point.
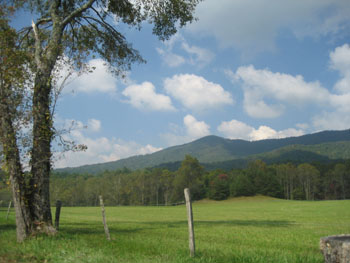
(160, 186)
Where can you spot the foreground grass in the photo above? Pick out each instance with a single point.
(239, 230)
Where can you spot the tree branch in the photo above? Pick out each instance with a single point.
(37, 45)
(43, 20)
(104, 23)
(106, 26)
(77, 12)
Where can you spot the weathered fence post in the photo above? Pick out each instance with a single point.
(190, 222)
(8, 210)
(104, 219)
(58, 213)
(336, 249)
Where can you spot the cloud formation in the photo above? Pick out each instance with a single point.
(99, 149)
(340, 61)
(338, 117)
(196, 93)
(331, 121)
(243, 24)
(235, 129)
(171, 59)
(99, 80)
(194, 55)
(94, 125)
(195, 129)
(144, 97)
(192, 130)
(263, 85)
(269, 94)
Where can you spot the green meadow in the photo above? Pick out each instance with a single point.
(251, 229)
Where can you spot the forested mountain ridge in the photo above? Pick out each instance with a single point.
(213, 150)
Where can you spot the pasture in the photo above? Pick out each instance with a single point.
(251, 229)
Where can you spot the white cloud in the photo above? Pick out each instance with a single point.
(235, 129)
(340, 61)
(253, 26)
(99, 149)
(171, 59)
(196, 129)
(196, 93)
(284, 87)
(192, 130)
(341, 102)
(265, 132)
(256, 107)
(332, 121)
(195, 55)
(99, 80)
(148, 149)
(268, 94)
(338, 117)
(200, 56)
(144, 96)
(261, 85)
(302, 126)
(94, 125)
(238, 130)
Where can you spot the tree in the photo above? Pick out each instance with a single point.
(13, 75)
(219, 188)
(286, 174)
(242, 185)
(74, 29)
(189, 176)
(309, 180)
(166, 180)
(335, 182)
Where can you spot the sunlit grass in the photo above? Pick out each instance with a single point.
(255, 229)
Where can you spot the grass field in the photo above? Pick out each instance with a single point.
(256, 229)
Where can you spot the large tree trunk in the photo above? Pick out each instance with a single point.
(45, 60)
(24, 220)
(10, 150)
(41, 153)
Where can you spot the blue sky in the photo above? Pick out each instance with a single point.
(245, 70)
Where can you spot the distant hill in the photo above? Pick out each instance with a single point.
(324, 152)
(214, 150)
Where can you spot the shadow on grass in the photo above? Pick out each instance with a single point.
(133, 227)
(254, 223)
(7, 227)
(88, 229)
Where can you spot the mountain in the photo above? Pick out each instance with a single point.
(211, 150)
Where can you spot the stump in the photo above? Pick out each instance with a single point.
(336, 249)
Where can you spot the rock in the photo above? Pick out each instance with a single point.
(336, 249)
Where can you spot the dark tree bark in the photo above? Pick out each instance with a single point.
(10, 150)
(41, 152)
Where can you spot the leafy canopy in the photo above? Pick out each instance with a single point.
(92, 27)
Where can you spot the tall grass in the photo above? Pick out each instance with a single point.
(255, 229)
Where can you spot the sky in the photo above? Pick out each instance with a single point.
(247, 69)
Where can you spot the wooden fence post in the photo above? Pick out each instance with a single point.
(190, 222)
(58, 213)
(8, 210)
(104, 219)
